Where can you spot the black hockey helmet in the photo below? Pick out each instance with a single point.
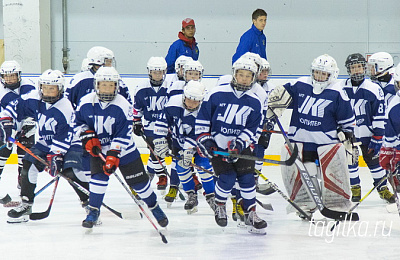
(356, 58)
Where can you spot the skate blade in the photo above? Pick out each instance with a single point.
(253, 230)
(21, 219)
(241, 224)
(162, 192)
(192, 211)
(169, 205)
(12, 204)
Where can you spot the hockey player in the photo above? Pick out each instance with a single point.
(13, 86)
(389, 156)
(379, 70)
(104, 121)
(320, 107)
(367, 100)
(53, 113)
(179, 117)
(179, 63)
(230, 119)
(150, 99)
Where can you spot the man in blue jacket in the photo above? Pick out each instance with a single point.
(254, 40)
(185, 45)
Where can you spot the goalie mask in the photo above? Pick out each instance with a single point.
(179, 63)
(264, 71)
(10, 74)
(193, 70)
(379, 65)
(157, 68)
(101, 56)
(324, 71)
(244, 72)
(51, 85)
(356, 67)
(193, 95)
(106, 82)
(396, 78)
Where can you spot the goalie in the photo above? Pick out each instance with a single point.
(320, 108)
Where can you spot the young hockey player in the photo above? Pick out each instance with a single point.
(320, 108)
(13, 86)
(230, 119)
(104, 121)
(368, 104)
(179, 117)
(178, 75)
(53, 113)
(389, 156)
(150, 99)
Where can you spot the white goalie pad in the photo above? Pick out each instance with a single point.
(294, 185)
(335, 178)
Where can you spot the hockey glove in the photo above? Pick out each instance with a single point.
(186, 158)
(56, 162)
(27, 134)
(91, 143)
(266, 135)
(349, 142)
(161, 147)
(138, 127)
(278, 100)
(206, 146)
(375, 145)
(6, 127)
(386, 156)
(396, 159)
(112, 162)
(235, 146)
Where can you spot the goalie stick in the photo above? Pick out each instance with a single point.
(163, 238)
(23, 147)
(288, 162)
(306, 178)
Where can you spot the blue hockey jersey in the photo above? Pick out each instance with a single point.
(7, 95)
(54, 120)
(392, 129)
(315, 118)
(227, 114)
(368, 105)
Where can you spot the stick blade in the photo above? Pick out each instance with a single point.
(339, 215)
(39, 215)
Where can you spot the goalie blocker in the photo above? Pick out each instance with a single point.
(328, 167)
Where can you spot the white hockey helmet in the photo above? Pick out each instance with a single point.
(10, 67)
(194, 90)
(243, 64)
(396, 78)
(324, 71)
(85, 65)
(51, 77)
(180, 61)
(193, 65)
(264, 65)
(157, 64)
(98, 55)
(253, 56)
(379, 65)
(109, 74)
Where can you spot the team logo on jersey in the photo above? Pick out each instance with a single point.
(315, 106)
(156, 103)
(359, 107)
(234, 112)
(102, 124)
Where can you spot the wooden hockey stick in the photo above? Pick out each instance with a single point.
(306, 178)
(163, 238)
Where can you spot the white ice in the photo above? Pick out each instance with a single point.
(197, 236)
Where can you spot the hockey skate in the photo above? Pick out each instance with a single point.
(210, 198)
(254, 224)
(220, 214)
(237, 213)
(197, 183)
(21, 213)
(356, 193)
(171, 195)
(160, 216)
(8, 203)
(85, 206)
(191, 203)
(91, 218)
(386, 195)
(162, 183)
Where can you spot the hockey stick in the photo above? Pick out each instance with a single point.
(45, 214)
(192, 164)
(181, 196)
(163, 238)
(288, 162)
(266, 206)
(306, 178)
(47, 185)
(362, 199)
(75, 184)
(391, 181)
(264, 189)
(291, 202)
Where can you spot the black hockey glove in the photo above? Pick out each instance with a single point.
(206, 146)
(138, 127)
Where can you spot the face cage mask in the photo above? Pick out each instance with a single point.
(11, 86)
(358, 76)
(189, 109)
(156, 83)
(106, 97)
(50, 100)
(241, 87)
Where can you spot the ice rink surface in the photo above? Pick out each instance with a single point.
(197, 236)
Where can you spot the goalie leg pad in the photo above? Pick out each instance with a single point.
(335, 179)
(294, 185)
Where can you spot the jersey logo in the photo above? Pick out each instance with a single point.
(156, 103)
(102, 124)
(317, 107)
(232, 112)
(359, 106)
